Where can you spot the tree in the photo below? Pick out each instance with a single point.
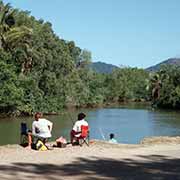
(156, 84)
(12, 37)
(10, 92)
(84, 59)
(170, 87)
(6, 21)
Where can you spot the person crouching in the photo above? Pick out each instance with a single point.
(41, 127)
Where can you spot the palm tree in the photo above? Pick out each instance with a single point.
(156, 87)
(12, 37)
(156, 82)
(6, 21)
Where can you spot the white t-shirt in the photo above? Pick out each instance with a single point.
(42, 126)
(78, 124)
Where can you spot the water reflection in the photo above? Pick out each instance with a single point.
(130, 125)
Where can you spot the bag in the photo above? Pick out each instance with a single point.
(61, 142)
(40, 146)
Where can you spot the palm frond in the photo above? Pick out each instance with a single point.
(17, 35)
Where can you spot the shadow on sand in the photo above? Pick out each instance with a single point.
(152, 167)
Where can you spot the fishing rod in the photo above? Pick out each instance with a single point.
(70, 116)
(100, 130)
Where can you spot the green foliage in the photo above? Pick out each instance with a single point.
(41, 72)
(126, 83)
(10, 92)
(169, 76)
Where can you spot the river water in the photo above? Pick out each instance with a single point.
(130, 124)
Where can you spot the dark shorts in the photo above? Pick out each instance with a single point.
(36, 138)
(74, 133)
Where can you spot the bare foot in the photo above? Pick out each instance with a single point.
(28, 147)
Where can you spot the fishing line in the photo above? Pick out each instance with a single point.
(70, 116)
(100, 130)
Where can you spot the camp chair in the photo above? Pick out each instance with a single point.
(24, 134)
(84, 137)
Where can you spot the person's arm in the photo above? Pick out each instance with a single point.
(75, 127)
(50, 125)
(35, 129)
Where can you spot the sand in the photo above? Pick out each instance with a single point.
(150, 160)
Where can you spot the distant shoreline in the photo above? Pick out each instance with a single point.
(69, 107)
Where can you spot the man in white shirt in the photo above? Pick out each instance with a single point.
(41, 127)
(76, 131)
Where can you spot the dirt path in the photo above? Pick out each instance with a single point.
(99, 161)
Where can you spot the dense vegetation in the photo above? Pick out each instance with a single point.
(165, 87)
(41, 72)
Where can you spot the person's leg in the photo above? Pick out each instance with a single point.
(72, 135)
(29, 136)
(47, 143)
(44, 140)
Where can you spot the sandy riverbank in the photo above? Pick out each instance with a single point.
(150, 160)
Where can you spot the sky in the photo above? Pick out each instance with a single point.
(135, 33)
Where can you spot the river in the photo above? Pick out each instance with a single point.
(130, 124)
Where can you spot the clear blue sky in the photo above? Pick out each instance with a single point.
(136, 33)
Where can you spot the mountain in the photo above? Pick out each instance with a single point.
(101, 67)
(170, 61)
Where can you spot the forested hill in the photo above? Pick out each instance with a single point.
(101, 67)
(170, 61)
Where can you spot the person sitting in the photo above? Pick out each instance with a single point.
(112, 139)
(41, 128)
(76, 131)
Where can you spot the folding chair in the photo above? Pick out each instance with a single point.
(24, 134)
(84, 137)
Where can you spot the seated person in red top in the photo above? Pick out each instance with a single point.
(76, 131)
